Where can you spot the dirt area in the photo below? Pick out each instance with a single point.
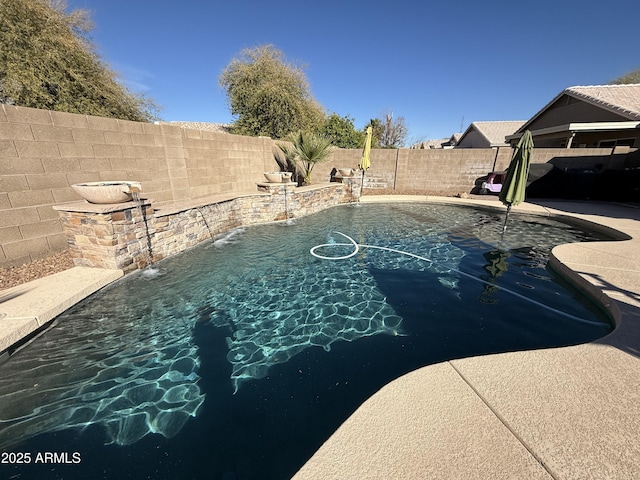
(12, 276)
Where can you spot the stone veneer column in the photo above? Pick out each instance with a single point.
(353, 183)
(281, 195)
(129, 236)
(115, 236)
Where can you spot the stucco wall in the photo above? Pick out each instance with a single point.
(42, 153)
(473, 139)
(568, 109)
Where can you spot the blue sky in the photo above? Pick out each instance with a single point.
(439, 64)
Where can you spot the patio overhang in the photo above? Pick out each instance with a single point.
(569, 130)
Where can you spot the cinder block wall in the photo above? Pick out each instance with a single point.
(42, 153)
(383, 164)
(436, 171)
(442, 171)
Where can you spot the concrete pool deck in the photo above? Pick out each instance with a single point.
(562, 413)
(28, 308)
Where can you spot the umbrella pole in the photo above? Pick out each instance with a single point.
(506, 217)
(361, 185)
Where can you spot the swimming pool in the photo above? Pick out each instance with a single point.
(237, 359)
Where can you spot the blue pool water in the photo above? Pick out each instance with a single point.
(239, 358)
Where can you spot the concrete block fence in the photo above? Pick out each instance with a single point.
(42, 153)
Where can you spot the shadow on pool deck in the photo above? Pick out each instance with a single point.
(562, 413)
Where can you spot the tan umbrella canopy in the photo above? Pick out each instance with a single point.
(365, 161)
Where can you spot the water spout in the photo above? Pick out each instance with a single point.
(135, 193)
(286, 207)
(206, 224)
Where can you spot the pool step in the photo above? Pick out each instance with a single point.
(374, 182)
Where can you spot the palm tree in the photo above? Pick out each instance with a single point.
(309, 149)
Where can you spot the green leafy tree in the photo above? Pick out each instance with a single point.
(48, 62)
(341, 132)
(631, 77)
(309, 149)
(269, 96)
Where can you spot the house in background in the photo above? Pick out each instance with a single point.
(590, 116)
(438, 143)
(488, 134)
(452, 142)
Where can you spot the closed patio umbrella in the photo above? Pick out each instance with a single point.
(515, 183)
(365, 161)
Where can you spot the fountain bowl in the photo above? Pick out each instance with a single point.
(107, 192)
(346, 172)
(273, 177)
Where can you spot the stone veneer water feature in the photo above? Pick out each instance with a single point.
(131, 235)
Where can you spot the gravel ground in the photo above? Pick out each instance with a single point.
(12, 276)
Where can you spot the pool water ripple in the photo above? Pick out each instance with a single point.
(251, 337)
(128, 375)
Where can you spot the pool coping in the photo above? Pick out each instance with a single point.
(27, 310)
(561, 413)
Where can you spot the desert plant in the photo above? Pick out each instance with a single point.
(286, 160)
(308, 149)
(288, 163)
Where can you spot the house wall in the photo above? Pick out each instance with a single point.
(42, 153)
(568, 109)
(591, 140)
(473, 139)
(587, 139)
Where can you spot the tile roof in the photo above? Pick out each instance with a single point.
(456, 137)
(495, 132)
(621, 99)
(438, 142)
(433, 143)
